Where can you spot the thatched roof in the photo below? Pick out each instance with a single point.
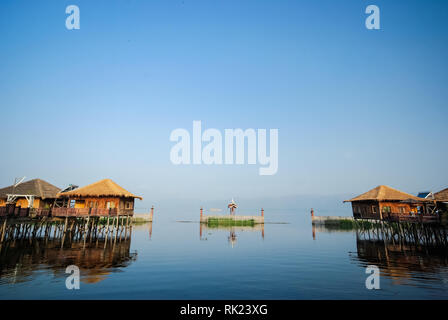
(385, 193)
(441, 195)
(36, 187)
(102, 188)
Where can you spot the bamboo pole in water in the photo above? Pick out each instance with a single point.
(3, 230)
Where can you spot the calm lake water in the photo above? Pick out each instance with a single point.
(172, 260)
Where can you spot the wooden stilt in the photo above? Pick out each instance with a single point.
(107, 226)
(65, 224)
(3, 230)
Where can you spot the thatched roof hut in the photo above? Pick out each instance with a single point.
(384, 201)
(102, 188)
(36, 187)
(441, 196)
(34, 193)
(385, 193)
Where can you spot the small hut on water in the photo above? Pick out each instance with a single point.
(36, 194)
(384, 202)
(104, 194)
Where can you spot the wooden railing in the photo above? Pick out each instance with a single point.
(11, 211)
(40, 212)
(400, 217)
(21, 212)
(14, 211)
(93, 212)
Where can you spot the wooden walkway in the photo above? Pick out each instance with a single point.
(18, 212)
(425, 219)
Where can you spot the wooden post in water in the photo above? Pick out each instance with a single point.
(111, 226)
(152, 212)
(3, 230)
(65, 229)
(55, 230)
(201, 214)
(126, 227)
(65, 224)
(107, 232)
(86, 227)
(262, 212)
(116, 228)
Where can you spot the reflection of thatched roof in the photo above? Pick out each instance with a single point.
(37, 187)
(103, 188)
(19, 259)
(441, 195)
(385, 193)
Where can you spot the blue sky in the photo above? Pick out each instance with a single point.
(355, 108)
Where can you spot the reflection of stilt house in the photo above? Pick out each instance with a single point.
(104, 194)
(384, 202)
(36, 193)
(21, 258)
(402, 260)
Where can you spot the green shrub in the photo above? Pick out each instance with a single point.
(226, 222)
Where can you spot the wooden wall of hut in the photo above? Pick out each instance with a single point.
(37, 203)
(384, 209)
(366, 209)
(103, 202)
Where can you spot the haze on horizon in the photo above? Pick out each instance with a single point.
(355, 108)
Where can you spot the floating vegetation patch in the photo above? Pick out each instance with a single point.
(226, 222)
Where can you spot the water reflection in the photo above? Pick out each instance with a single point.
(326, 229)
(144, 227)
(233, 231)
(406, 259)
(403, 261)
(22, 259)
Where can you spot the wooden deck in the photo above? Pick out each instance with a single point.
(17, 212)
(426, 219)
